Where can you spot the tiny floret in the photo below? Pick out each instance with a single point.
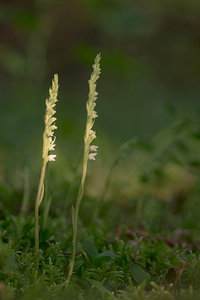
(92, 156)
(52, 147)
(52, 157)
(92, 134)
(93, 148)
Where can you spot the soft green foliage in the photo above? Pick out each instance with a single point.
(90, 151)
(138, 273)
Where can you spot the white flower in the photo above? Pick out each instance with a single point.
(52, 157)
(94, 114)
(92, 156)
(51, 144)
(52, 147)
(92, 134)
(93, 148)
(50, 133)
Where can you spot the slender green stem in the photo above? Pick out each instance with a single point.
(37, 204)
(46, 199)
(75, 218)
(75, 212)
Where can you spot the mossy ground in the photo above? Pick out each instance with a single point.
(140, 242)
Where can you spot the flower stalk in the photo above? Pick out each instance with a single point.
(48, 145)
(90, 151)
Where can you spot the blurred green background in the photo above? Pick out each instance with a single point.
(150, 68)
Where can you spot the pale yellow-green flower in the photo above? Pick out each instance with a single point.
(49, 120)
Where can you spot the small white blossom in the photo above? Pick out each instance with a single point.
(50, 133)
(92, 156)
(51, 144)
(93, 148)
(94, 114)
(52, 147)
(92, 133)
(52, 127)
(52, 157)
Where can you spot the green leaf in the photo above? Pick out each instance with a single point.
(99, 286)
(90, 248)
(138, 273)
(78, 264)
(107, 253)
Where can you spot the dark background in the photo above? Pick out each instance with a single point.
(150, 68)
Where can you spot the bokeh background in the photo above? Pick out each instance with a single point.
(150, 71)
